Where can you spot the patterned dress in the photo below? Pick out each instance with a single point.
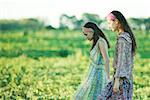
(123, 65)
(96, 79)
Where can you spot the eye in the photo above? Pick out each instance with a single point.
(85, 34)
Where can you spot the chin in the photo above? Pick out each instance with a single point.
(89, 39)
(113, 30)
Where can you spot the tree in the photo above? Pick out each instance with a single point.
(68, 22)
(91, 17)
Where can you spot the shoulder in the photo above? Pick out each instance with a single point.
(124, 37)
(102, 41)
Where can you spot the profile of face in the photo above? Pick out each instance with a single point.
(88, 32)
(113, 23)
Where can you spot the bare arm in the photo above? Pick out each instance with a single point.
(104, 51)
(116, 85)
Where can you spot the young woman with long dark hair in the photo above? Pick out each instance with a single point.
(99, 67)
(121, 86)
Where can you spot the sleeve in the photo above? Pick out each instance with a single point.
(121, 59)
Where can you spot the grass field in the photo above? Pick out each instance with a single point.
(51, 64)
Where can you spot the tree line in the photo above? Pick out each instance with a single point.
(69, 22)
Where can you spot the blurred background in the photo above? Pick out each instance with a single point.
(43, 54)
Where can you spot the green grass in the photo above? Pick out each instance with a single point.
(51, 64)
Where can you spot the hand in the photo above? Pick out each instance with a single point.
(116, 86)
(108, 78)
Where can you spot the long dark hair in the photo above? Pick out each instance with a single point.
(125, 27)
(97, 33)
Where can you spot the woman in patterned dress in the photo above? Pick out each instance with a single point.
(121, 86)
(98, 73)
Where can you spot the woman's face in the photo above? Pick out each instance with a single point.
(88, 32)
(113, 25)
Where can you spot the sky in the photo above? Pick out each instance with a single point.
(51, 10)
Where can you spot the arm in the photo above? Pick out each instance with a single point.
(104, 51)
(116, 85)
(120, 70)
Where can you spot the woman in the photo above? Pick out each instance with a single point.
(121, 87)
(99, 66)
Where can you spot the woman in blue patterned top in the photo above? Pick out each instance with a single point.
(98, 73)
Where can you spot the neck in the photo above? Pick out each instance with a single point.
(120, 31)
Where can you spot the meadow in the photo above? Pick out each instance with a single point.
(50, 64)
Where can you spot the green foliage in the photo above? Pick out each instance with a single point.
(52, 64)
(21, 25)
(91, 17)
